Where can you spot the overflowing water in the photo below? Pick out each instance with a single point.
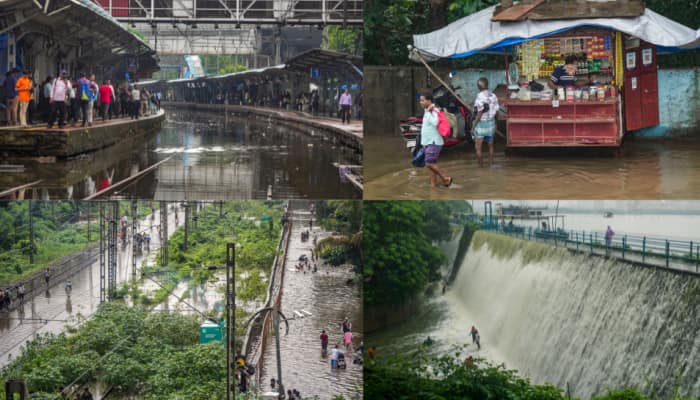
(579, 321)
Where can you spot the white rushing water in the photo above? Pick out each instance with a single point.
(584, 321)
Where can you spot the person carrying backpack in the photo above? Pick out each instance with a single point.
(432, 141)
(87, 96)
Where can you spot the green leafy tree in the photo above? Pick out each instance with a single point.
(399, 259)
(343, 40)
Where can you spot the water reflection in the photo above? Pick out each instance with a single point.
(641, 169)
(212, 156)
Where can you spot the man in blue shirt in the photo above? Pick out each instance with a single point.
(11, 96)
(431, 140)
(565, 75)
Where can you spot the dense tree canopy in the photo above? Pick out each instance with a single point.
(155, 356)
(447, 377)
(400, 257)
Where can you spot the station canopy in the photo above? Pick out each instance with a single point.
(342, 64)
(478, 33)
(79, 20)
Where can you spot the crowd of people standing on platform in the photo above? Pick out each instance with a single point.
(64, 100)
(344, 104)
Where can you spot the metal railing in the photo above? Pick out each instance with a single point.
(308, 12)
(60, 271)
(667, 253)
(258, 331)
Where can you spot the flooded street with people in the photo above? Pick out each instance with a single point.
(204, 155)
(641, 169)
(314, 302)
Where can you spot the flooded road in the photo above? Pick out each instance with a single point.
(51, 311)
(641, 169)
(214, 156)
(329, 298)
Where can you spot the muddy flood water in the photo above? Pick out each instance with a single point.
(212, 155)
(329, 298)
(641, 169)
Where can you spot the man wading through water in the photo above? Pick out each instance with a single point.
(432, 141)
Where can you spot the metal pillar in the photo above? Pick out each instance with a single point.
(277, 313)
(112, 250)
(134, 228)
(88, 221)
(103, 248)
(276, 324)
(188, 213)
(230, 320)
(195, 215)
(31, 234)
(488, 212)
(164, 233)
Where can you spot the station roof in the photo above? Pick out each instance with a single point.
(75, 21)
(567, 9)
(342, 63)
(478, 33)
(250, 72)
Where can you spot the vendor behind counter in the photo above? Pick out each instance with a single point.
(565, 75)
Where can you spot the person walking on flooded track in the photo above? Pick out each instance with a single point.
(20, 294)
(486, 106)
(47, 277)
(334, 357)
(324, 340)
(431, 140)
(347, 340)
(347, 325)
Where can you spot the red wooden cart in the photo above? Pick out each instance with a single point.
(591, 122)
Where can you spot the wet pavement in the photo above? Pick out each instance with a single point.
(214, 156)
(640, 169)
(51, 311)
(329, 298)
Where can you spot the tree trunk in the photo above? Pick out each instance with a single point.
(438, 13)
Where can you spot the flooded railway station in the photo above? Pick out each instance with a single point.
(285, 124)
(199, 155)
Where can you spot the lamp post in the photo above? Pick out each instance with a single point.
(276, 314)
(230, 318)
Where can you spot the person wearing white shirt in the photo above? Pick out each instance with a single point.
(135, 102)
(57, 100)
(334, 357)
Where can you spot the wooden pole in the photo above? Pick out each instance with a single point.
(443, 83)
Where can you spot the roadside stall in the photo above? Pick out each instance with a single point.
(614, 88)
